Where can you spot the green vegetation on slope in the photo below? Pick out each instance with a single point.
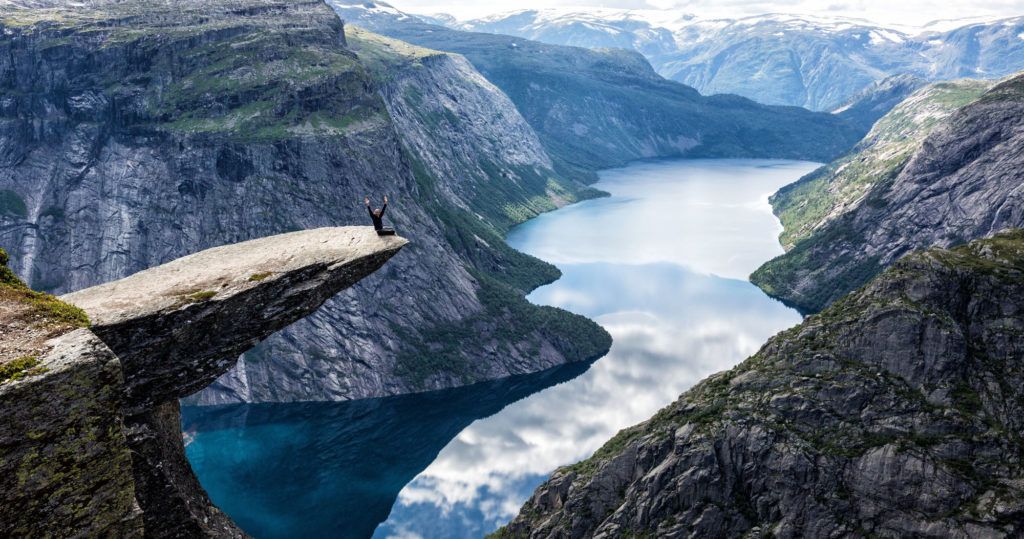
(505, 194)
(853, 388)
(816, 199)
(1011, 89)
(216, 68)
(504, 276)
(48, 309)
(382, 55)
(776, 276)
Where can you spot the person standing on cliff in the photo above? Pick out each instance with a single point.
(378, 218)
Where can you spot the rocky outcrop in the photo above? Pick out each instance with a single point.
(898, 411)
(962, 182)
(64, 460)
(134, 133)
(93, 442)
(179, 326)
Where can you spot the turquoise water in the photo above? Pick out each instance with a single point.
(661, 264)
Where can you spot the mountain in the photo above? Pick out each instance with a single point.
(925, 177)
(896, 412)
(786, 60)
(779, 59)
(593, 29)
(875, 101)
(601, 108)
(133, 133)
(808, 204)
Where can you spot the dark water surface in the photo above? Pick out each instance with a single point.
(661, 264)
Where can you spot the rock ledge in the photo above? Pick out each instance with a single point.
(92, 444)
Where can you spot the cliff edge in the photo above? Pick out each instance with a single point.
(90, 382)
(896, 412)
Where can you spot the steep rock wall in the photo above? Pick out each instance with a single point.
(963, 182)
(133, 133)
(895, 412)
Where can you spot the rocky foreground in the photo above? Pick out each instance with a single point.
(91, 439)
(898, 411)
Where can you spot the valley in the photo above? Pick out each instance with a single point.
(649, 273)
(817, 62)
(676, 303)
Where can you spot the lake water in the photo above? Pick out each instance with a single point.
(661, 264)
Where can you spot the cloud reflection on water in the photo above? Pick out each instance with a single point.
(460, 462)
(643, 263)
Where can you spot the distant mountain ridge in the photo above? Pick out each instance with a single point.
(778, 59)
(602, 108)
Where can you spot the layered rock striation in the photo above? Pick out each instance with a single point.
(898, 411)
(93, 443)
(134, 133)
(961, 182)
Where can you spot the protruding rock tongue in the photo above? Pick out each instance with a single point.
(179, 326)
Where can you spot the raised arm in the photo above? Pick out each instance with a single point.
(385, 206)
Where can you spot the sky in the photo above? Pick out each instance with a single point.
(886, 12)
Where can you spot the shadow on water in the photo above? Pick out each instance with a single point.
(447, 464)
(334, 469)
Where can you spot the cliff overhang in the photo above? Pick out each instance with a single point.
(93, 440)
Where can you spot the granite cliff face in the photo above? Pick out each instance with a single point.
(133, 133)
(898, 411)
(962, 182)
(92, 445)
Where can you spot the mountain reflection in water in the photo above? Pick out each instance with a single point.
(334, 469)
(661, 264)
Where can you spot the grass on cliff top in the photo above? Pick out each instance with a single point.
(1002, 255)
(50, 310)
(381, 54)
(260, 86)
(1011, 89)
(804, 206)
(253, 72)
(20, 368)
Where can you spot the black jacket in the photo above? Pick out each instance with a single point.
(378, 220)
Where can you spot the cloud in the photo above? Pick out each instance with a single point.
(907, 12)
